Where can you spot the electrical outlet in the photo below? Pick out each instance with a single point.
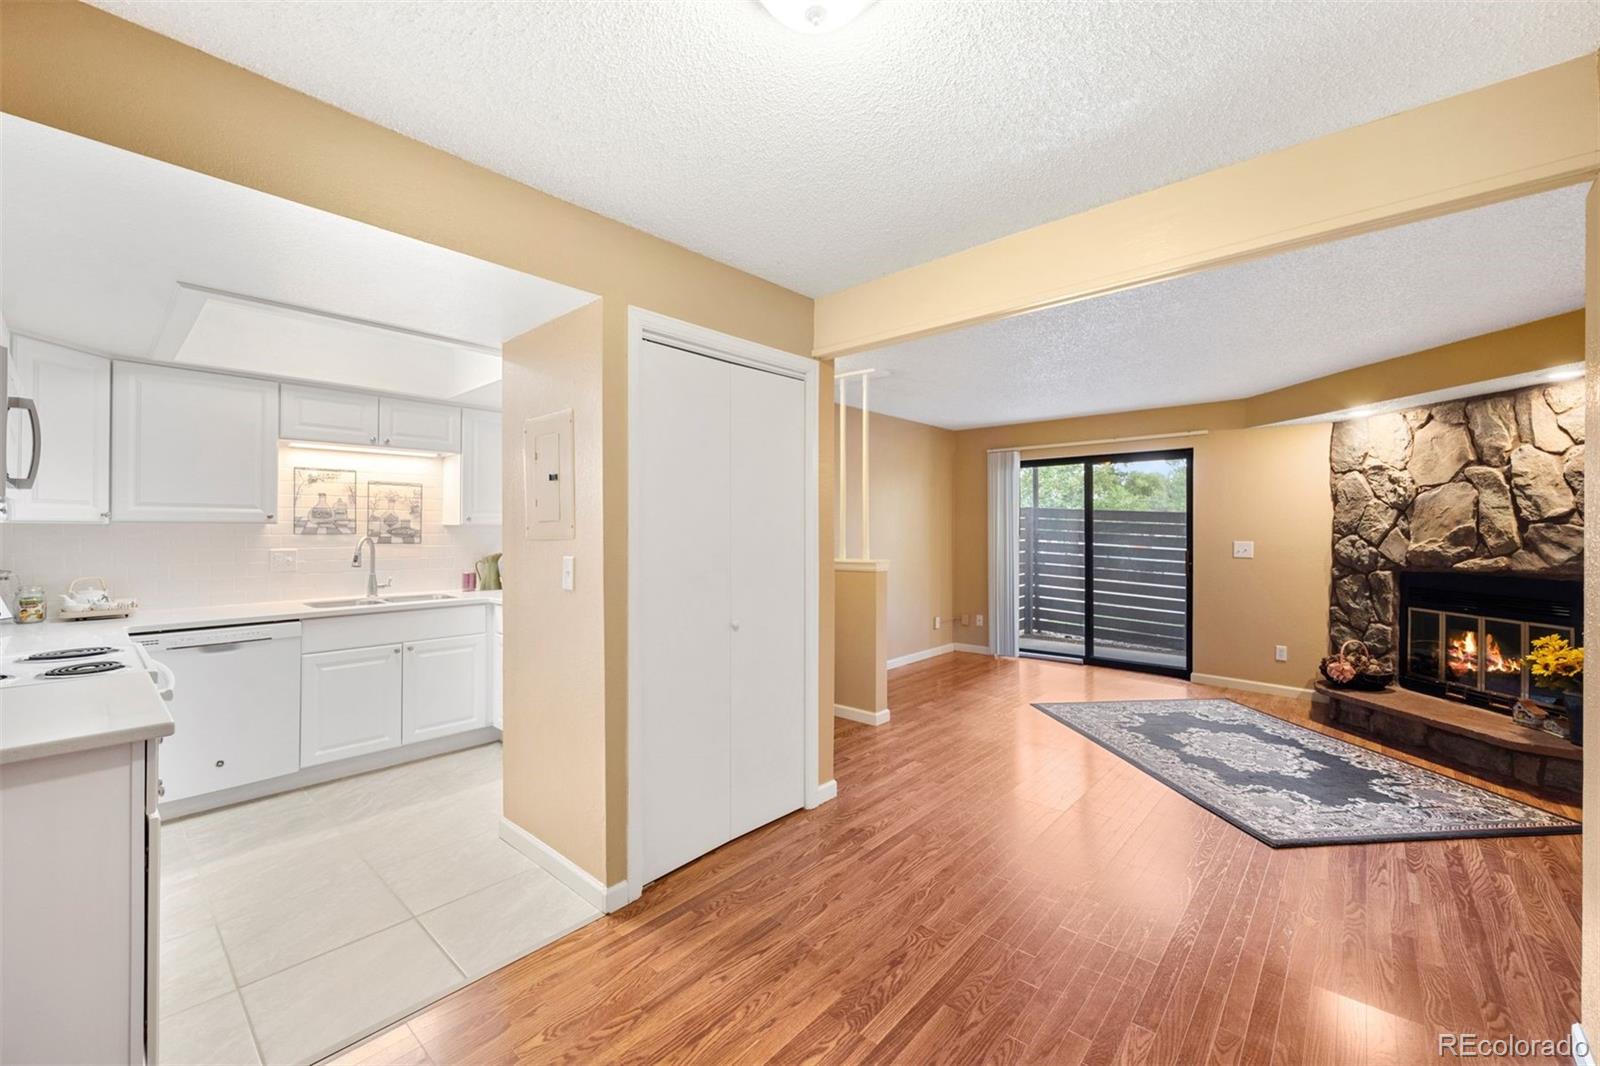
(1244, 549)
(937, 622)
(978, 620)
(1281, 653)
(966, 619)
(281, 560)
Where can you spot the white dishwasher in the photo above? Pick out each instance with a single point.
(236, 705)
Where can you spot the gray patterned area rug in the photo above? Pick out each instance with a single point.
(1289, 786)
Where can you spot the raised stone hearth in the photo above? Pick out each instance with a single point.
(1492, 484)
(1469, 737)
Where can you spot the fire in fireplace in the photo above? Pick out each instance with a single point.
(1467, 636)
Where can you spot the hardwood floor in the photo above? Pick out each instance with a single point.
(990, 886)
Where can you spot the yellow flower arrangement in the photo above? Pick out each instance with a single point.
(1556, 665)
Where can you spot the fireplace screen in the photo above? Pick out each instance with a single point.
(1474, 655)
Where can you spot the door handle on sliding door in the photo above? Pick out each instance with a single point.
(19, 403)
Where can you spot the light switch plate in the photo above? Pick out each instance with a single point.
(978, 620)
(1244, 549)
(566, 573)
(1281, 653)
(281, 560)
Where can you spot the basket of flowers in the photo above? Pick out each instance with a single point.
(1354, 666)
(1555, 667)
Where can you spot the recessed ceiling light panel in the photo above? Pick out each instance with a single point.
(815, 16)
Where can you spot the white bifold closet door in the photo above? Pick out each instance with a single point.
(719, 600)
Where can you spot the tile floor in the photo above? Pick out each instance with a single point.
(294, 925)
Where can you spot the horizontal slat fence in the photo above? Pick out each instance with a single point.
(1140, 577)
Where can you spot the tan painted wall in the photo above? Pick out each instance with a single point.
(555, 677)
(78, 69)
(1269, 485)
(1532, 346)
(861, 678)
(912, 500)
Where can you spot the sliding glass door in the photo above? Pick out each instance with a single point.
(1103, 568)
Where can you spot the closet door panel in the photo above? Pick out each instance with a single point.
(681, 544)
(768, 592)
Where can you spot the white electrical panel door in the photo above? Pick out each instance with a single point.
(192, 446)
(349, 703)
(767, 562)
(445, 687)
(73, 392)
(681, 546)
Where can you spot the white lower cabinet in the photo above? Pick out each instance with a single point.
(443, 687)
(349, 703)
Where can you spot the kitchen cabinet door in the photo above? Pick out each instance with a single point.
(472, 479)
(497, 701)
(72, 390)
(480, 465)
(192, 446)
(331, 415)
(445, 683)
(349, 703)
(427, 427)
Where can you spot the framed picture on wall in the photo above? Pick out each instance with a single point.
(394, 512)
(324, 501)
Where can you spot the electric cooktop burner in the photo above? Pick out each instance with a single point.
(66, 653)
(104, 666)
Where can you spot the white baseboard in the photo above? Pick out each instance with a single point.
(974, 649)
(919, 656)
(820, 794)
(856, 714)
(588, 887)
(1253, 686)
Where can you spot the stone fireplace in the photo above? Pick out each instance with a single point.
(1487, 490)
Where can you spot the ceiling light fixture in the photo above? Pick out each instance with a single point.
(815, 16)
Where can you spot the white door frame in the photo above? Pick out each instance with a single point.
(647, 325)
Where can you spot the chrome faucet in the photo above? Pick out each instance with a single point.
(371, 547)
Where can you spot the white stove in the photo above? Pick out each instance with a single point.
(64, 665)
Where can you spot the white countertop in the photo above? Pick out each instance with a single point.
(124, 707)
(91, 712)
(44, 636)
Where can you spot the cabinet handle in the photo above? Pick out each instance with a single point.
(372, 439)
(161, 788)
(219, 764)
(388, 440)
(397, 651)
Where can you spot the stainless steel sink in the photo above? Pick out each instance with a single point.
(352, 601)
(420, 597)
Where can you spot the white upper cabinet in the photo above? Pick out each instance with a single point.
(330, 415)
(73, 393)
(191, 446)
(472, 480)
(427, 427)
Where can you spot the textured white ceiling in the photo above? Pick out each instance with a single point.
(98, 239)
(920, 129)
(1250, 328)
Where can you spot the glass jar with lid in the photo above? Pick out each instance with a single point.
(30, 604)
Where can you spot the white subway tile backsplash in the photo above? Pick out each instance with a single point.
(184, 565)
